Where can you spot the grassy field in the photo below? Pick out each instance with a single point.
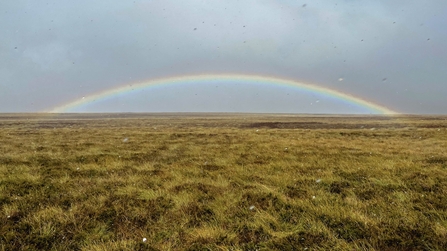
(222, 182)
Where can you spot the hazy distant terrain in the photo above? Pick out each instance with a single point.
(222, 182)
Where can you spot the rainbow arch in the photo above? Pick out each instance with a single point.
(203, 78)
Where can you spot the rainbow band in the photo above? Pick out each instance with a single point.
(375, 108)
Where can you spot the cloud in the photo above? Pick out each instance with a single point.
(78, 47)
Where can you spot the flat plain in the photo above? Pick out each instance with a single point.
(222, 182)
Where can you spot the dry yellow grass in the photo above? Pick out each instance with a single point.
(223, 182)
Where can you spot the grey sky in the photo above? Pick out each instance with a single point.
(52, 52)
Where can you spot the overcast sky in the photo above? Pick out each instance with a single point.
(393, 53)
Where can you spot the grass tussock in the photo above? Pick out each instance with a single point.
(223, 183)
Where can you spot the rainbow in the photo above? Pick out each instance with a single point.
(239, 78)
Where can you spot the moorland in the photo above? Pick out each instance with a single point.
(222, 182)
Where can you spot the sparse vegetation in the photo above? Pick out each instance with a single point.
(215, 182)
